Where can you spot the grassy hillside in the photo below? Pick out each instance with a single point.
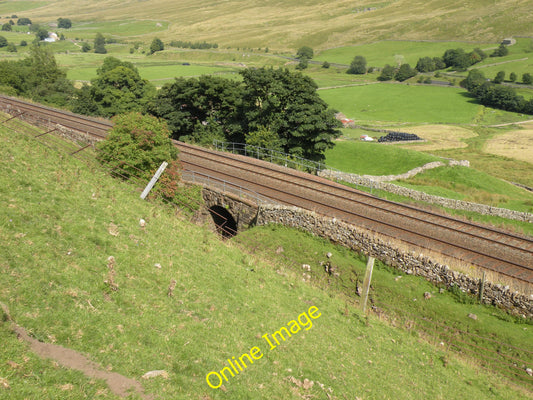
(62, 221)
(289, 24)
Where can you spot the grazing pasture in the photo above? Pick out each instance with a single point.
(385, 102)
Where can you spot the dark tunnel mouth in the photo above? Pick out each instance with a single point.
(224, 221)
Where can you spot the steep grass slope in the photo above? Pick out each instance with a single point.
(60, 224)
(289, 24)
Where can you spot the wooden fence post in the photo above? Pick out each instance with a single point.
(366, 282)
(482, 288)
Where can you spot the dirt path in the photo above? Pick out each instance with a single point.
(118, 384)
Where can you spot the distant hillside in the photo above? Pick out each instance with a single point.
(289, 24)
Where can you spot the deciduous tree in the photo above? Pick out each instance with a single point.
(405, 72)
(305, 52)
(24, 21)
(288, 104)
(157, 45)
(201, 109)
(358, 66)
(117, 89)
(387, 73)
(64, 23)
(499, 78)
(99, 44)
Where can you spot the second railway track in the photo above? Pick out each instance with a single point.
(474, 244)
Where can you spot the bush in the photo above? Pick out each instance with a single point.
(305, 52)
(157, 45)
(358, 66)
(64, 23)
(499, 78)
(136, 146)
(23, 21)
(303, 64)
(85, 47)
(501, 51)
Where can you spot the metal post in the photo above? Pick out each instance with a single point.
(153, 180)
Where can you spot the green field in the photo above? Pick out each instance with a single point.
(385, 102)
(366, 158)
(64, 219)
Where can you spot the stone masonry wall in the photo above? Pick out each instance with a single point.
(409, 262)
(374, 182)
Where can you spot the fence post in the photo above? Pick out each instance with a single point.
(366, 283)
(153, 180)
(481, 288)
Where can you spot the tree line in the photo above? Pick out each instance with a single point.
(495, 95)
(274, 108)
(455, 59)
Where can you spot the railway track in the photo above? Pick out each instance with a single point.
(473, 244)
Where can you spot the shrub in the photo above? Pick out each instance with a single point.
(136, 146)
(305, 52)
(358, 66)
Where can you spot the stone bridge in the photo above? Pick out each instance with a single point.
(230, 213)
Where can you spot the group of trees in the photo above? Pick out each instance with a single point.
(495, 95)
(275, 108)
(37, 77)
(404, 72)
(456, 59)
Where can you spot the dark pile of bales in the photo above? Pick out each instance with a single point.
(398, 137)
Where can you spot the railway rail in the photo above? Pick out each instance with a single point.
(472, 244)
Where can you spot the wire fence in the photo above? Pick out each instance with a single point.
(198, 178)
(273, 156)
(188, 201)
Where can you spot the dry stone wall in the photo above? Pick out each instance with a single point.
(380, 183)
(409, 262)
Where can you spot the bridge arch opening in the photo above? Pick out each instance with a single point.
(224, 221)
